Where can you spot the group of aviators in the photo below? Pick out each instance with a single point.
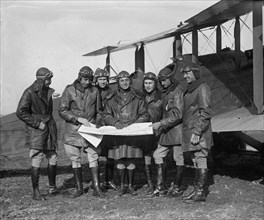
(180, 121)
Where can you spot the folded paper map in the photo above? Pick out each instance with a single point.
(95, 135)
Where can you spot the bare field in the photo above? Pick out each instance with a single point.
(235, 193)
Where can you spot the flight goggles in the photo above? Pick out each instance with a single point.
(150, 75)
(86, 72)
(48, 75)
(188, 69)
(101, 73)
(123, 74)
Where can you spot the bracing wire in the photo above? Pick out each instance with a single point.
(226, 31)
(208, 40)
(231, 74)
(185, 38)
(244, 23)
(244, 92)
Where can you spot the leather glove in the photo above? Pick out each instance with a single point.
(156, 125)
(119, 125)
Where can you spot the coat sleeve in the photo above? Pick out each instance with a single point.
(175, 111)
(204, 99)
(108, 114)
(143, 115)
(24, 112)
(65, 109)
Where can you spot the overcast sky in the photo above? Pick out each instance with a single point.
(55, 34)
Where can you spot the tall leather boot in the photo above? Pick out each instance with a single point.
(79, 182)
(202, 177)
(121, 175)
(175, 189)
(149, 175)
(109, 174)
(130, 190)
(192, 193)
(35, 171)
(160, 188)
(52, 172)
(96, 183)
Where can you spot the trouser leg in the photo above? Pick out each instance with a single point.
(93, 155)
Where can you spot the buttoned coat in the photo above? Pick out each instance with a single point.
(171, 122)
(197, 116)
(126, 111)
(34, 108)
(76, 102)
(154, 108)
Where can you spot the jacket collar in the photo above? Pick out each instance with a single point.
(194, 85)
(120, 92)
(154, 96)
(37, 87)
(131, 94)
(77, 85)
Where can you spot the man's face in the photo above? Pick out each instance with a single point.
(189, 76)
(85, 82)
(149, 85)
(124, 83)
(165, 83)
(102, 82)
(47, 82)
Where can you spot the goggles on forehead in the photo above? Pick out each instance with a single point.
(86, 72)
(123, 74)
(101, 73)
(49, 75)
(188, 69)
(150, 76)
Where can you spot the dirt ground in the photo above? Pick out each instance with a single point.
(236, 191)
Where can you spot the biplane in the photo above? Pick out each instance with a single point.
(235, 76)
